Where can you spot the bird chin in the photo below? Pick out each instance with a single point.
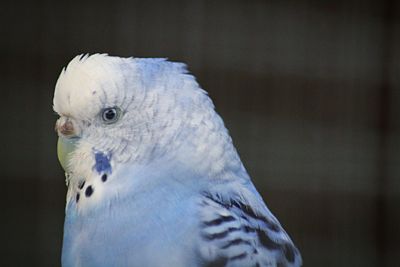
(65, 148)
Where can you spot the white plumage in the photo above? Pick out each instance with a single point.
(153, 177)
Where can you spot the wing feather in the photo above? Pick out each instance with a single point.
(234, 234)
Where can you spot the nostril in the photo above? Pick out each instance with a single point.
(65, 127)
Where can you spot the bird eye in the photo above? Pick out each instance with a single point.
(110, 115)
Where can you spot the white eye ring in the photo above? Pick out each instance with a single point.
(110, 115)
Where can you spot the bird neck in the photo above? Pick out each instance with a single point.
(207, 148)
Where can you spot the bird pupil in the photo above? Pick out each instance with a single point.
(110, 114)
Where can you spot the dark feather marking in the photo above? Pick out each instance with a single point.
(237, 241)
(222, 234)
(248, 229)
(244, 218)
(239, 257)
(249, 211)
(266, 241)
(220, 220)
(89, 191)
(210, 197)
(246, 209)
(81, 184)
(273, 227)
(289, 252)
(288, 249)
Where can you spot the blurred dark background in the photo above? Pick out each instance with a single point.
(308, 89)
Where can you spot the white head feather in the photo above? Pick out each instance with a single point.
(164, 114)
(166, 120)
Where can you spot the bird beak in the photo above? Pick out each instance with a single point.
(67, 141)
(65, 147)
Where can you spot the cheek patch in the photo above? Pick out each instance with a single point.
(102, 164)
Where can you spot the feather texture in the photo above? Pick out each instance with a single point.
(163, 185)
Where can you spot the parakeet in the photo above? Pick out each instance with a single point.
(153, 177)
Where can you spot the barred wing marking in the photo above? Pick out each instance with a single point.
(234, 235)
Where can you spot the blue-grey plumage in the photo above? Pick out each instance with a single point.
(153, 177)
(134, 228)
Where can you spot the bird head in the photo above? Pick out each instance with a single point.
(116, 110)
(92, 98)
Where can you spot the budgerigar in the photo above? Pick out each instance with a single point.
(153, 177)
